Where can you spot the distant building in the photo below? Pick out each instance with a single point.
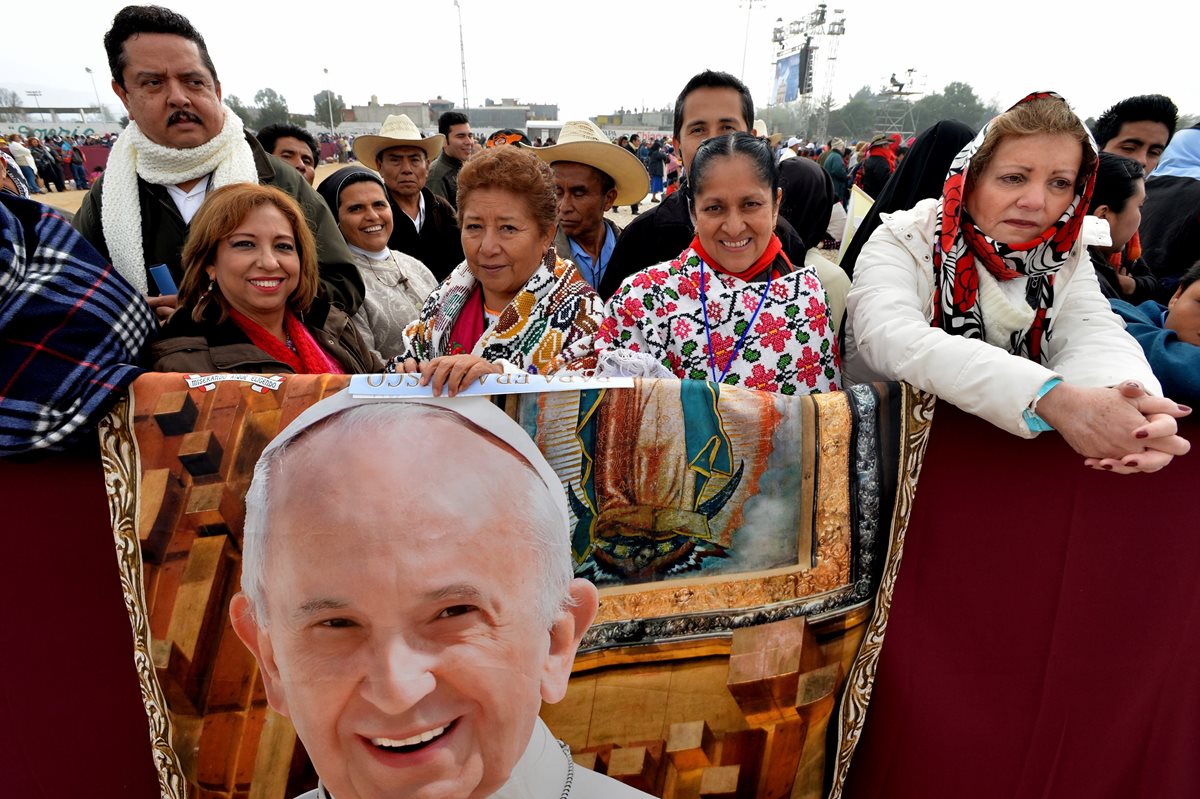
(374, 113)
(645, 122)
(508, 113)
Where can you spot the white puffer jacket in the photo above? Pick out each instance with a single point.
(888, 335)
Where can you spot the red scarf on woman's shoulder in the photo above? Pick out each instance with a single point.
(308, 359)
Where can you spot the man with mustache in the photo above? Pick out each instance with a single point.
(180, 143)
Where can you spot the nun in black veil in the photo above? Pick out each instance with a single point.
(920, 176)
(808, 200)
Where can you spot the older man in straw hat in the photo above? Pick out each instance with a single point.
(424, 225)
(410, 611)
(591, 175)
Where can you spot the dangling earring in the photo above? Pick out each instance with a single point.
(211, 285)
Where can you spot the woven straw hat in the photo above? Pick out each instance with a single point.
(584, 143)
(397, 131)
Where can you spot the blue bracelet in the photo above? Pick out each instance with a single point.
(1036, 423)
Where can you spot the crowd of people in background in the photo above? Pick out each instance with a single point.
(56, 163)
(1036, 273)
(454, 254)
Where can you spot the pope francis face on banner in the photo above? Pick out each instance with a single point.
(410, 601)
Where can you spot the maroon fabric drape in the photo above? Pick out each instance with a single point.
(1044, 638)
(71, 716)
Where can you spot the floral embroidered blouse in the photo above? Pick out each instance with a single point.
(787, 342)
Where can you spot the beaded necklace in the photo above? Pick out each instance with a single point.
(712, 360)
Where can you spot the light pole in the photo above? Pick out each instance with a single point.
(103, 110)
(462, 55)
(35, 94)
(329, 101)
(749, 4)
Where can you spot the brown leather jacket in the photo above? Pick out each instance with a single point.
(209, 346)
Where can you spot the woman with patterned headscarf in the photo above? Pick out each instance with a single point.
(986, 297)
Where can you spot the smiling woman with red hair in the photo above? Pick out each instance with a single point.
(248, 301)
(986, 297)
(514, 304)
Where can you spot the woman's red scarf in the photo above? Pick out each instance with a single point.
(468, 325)
(959, 247)
(774, 247)
(308, 359)
(886, 152)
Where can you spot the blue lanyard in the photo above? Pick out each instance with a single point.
(712, 360)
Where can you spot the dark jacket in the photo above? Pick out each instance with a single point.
(875, 173)
(185, 345)
(835, 165)
(662, 233)
(656, 163)
(165, 230)
(1145, 283)
(443, 178)
(438, 244)
(1170, 229)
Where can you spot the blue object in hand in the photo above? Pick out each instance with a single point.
(163, 280)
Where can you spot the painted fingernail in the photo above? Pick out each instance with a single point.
(1132, 464)
(1132, 384)
(1185, 409)
(1142, 434)
(1107, 467)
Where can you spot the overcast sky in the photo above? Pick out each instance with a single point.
(593, 57)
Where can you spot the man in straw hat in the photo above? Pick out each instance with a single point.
(181, 143)
(424, 226)
(410, 611)
(761, 130)
(591, 175)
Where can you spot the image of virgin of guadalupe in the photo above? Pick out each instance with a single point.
(661, 477)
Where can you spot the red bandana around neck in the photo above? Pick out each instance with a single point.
(308, 359)
(774, 248)
(959, 246)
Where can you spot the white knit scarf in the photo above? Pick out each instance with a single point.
(227, 156)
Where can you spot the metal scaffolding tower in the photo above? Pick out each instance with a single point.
(894, 112)
(814, 37)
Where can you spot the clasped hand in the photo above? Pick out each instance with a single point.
(454, 372)
(1121, 429)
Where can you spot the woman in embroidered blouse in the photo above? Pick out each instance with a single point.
(513, 304)
(732, 308)
(248, 301)
(396, 284)
(986, 298)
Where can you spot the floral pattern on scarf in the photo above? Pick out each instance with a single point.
(959, 246)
